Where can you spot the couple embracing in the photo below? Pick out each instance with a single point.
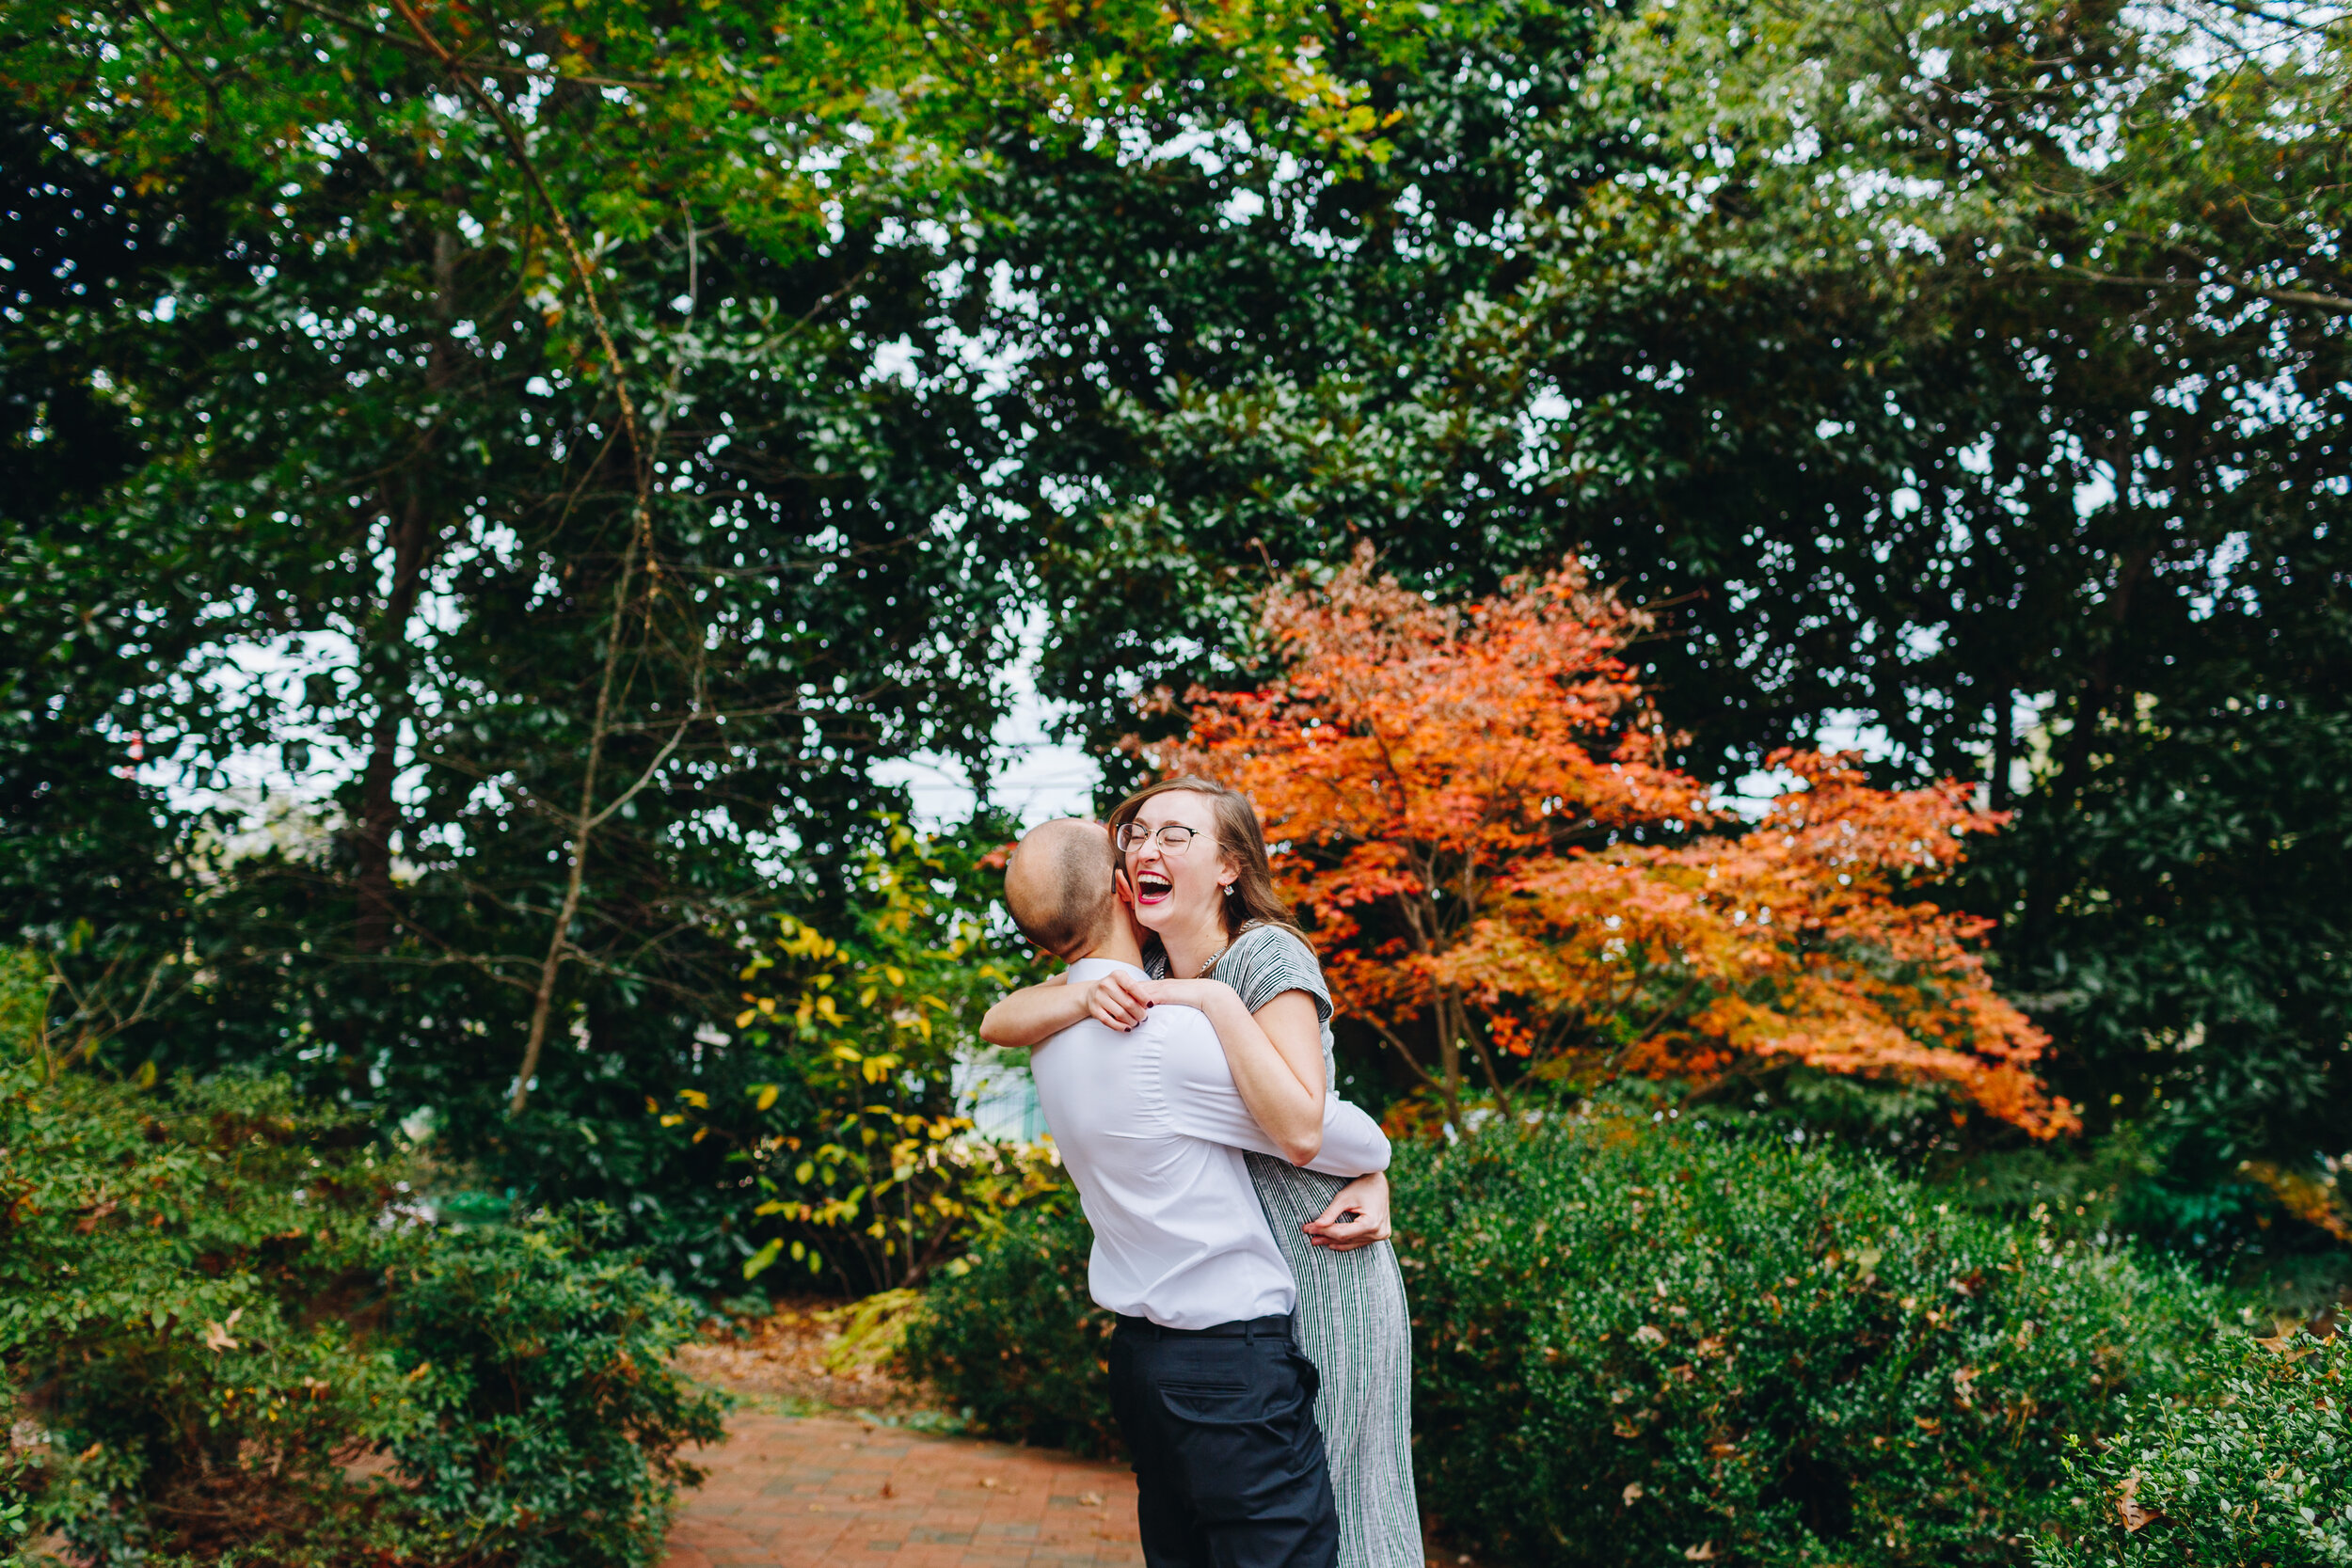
(1260, 1368)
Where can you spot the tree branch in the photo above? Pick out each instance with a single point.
(581, 269)
(2333, 303)
(1403, 1050)
(543, 995)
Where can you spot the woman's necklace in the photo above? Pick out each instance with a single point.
(1213, 957)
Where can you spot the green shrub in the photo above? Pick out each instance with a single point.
(543, 1355)
(1014, 1339)
(1635, 1344)
(825, 1143)
(235, 1341)
(2254, 1467)
(175, 1268)
(1639, 1345)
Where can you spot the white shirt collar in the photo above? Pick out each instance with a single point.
(1094, 969)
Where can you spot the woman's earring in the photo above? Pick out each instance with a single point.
(1228, 890)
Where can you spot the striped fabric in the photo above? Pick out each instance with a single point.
(1352, 1321)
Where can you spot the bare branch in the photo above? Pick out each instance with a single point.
(2333, 303)
(652, 769)
(1404, 1051)
(559, 942)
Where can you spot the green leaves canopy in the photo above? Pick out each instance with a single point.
(1973, 379)
(507, 417)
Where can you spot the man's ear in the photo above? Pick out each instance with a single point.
(1119, 886)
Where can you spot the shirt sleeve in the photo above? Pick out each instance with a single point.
(1197, 1088)
(1270, 961)
(1353, 1144)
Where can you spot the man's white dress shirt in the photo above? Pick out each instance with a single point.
(1152, 1130)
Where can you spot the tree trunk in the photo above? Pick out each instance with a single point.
(1455, 1031)
(379, 814)
(2004, 749)
(2103, 689)
(1449, 1065)
(408, 506)
(2101, 685)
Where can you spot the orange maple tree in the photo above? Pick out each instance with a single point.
(1474, 808)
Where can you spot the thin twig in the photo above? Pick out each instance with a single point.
(643, 778)
(543, 996)
(1406, 1052)
(492, 67)
(211, 89)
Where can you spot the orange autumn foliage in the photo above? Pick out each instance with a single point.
(1474, 808)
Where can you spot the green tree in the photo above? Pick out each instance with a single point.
(496, 415)
(2036, 469)
(1976, 378)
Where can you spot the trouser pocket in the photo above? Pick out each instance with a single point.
(1230, 1467)
(1246, 1461)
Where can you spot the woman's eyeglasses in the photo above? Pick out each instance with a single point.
(1173, 839)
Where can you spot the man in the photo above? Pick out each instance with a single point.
(1210, 1390)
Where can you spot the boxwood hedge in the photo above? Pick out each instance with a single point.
(2252, 1466)
(230, 1334)
(1643, 1343)
(1011, 1337)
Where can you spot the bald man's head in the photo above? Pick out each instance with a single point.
(1059, 886)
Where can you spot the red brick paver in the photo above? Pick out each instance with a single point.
(828, 1492)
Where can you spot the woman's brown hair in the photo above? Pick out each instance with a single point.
(1253, 902)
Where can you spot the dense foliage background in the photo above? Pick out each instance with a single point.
(1821, 328)
(2253, 1464)
(495, 501)
(492, 494)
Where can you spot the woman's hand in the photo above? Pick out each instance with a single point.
(1033, 1014)
(1121, 999)
(1203, 994)
(1118, 999)
(1359, 1215)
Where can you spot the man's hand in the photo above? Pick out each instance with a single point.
(1117, 999)
(1359, 1215)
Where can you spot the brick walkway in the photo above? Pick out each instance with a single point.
(835, 1492)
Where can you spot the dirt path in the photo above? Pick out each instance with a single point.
(800, 1491)
(819, 1469)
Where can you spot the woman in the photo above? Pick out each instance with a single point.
(1193, 870)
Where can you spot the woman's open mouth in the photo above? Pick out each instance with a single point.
(1151, 888)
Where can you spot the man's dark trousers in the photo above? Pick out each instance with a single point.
(1230, 1470)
